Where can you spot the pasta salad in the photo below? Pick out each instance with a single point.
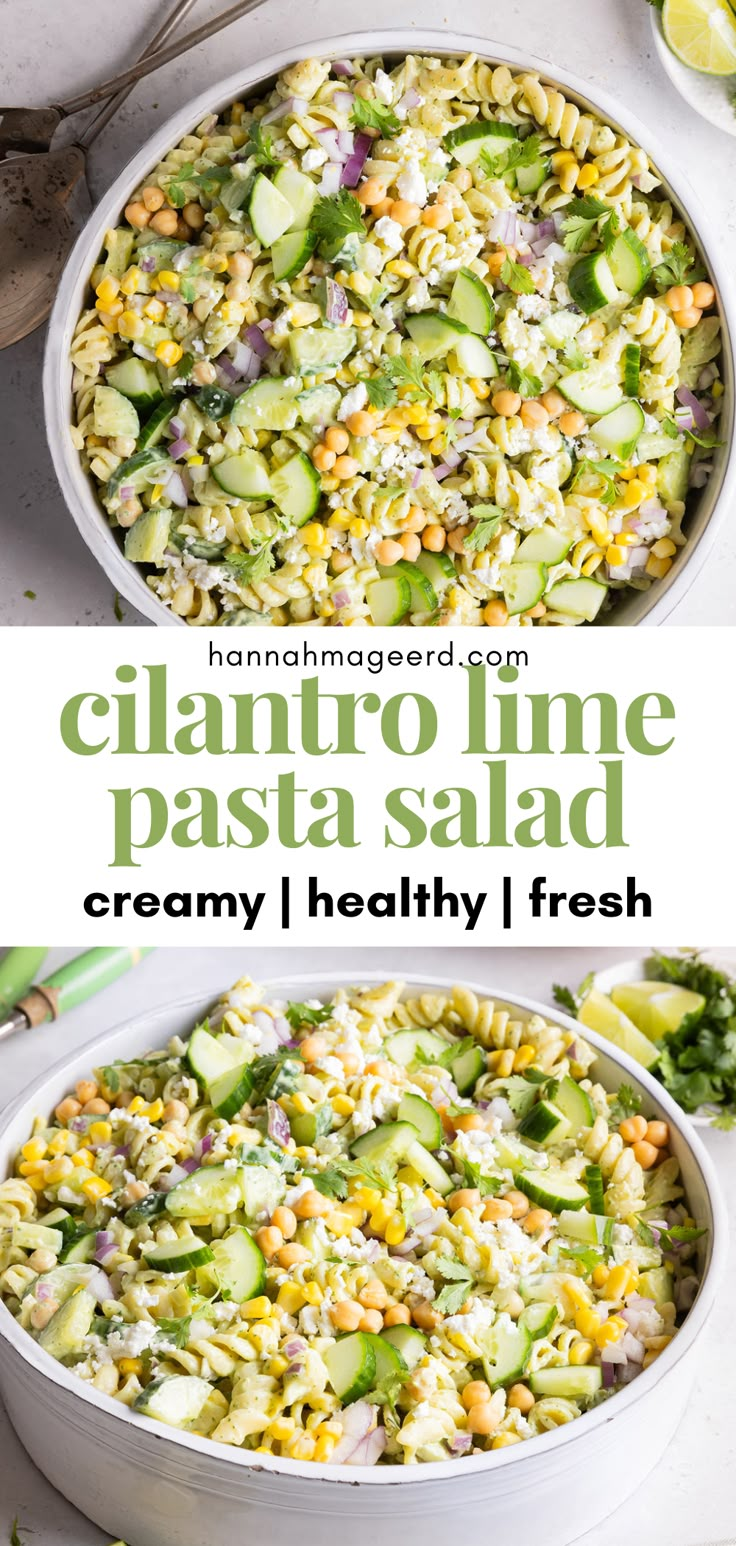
(383, 1229)
(410, 344)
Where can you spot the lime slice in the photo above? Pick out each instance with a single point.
(600, 1014)
(702, 33)
(657, 1008)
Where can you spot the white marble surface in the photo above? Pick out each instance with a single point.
(689, 1497)
(53, 48)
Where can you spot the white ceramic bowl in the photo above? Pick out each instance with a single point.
(158, 1487)
(708, 513)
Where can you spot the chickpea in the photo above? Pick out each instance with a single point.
(416, 519)
(410, 545)
(312, 1205)
(67, 1109)
(495, 263)
(237, 290)
(475, 1392)
(175, 1111)
(536, 1218)
(572, 424)
(554, 402)
(42, 1260)
(165, 222)
(371, 192)
(41, 1313)
(679, 298)
(538, 610)
(495, 1208)
(406, 213)
(285, 1220)
(520, 1397)
(388, 552)
(153, 198)
(472, 1122)
(425, 1317)
(371, 1320)
(347, 1315)
(397, 1315)
(533, 414)
(350, 1062)
(269, 1240)
(95, 1108)
(346, 467)
(519, 1203)
(703, 295)
(194, 216)
(292, 1255)
(360, 423)
(632, 1129)
(127, 515)
(239, 265)
(340, 561)
(465, 1197)
(688, 317)
(461, 178)
(482, 1418)
(380, 1068)
(373, 1295)
(313, 1048)
(506, 403)
(437, 216)
(658, 1133)
(645, 1154)
(384, 208)
(456, 539)
(324, 459)
(434, 538)
(495, 614)
(133, 1192)
(337, 439)
(86, 1089)
(137, 215)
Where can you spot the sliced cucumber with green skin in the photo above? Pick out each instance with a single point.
(207, 1057)
(474, 358)
(388, 1357)
(410, 1343)
(657, 1284)
(544, 1124)
(175, 1399)
(291, 253)
(389, 600)
(467, 1068)
(506, 1352)
(137, 470)
(423, 1117)
(467, 142)
(514, 1155)
(428, 1168)
(147, 541)
(270, 213)
(594, 1183)
(389, 1142)
(244, 475)
(262, 1190)
(404, 1046)
(472, 303)
(573, 1384)
(310, 1125)
(239, 1265)
(113, 414)
(552, 1189)
(434, 334)
(591, 283)
(315, 349)
(653, 444)
(618, 432)
(268, 404)
(589, 1228)
(149, 1207)
(561, 326)
(529, 178)
(351, 1366)
(137, 380)
(582, 598)
(575, 1104)
(69, 1326)
(423, 593)
(178, 1255)
(523, 586)
(439, 569)
(156, 423)
(81, 1248)
(32, 1237)
(546, 545)
(211, 1189)
(300, 192)
(673, 476)
(538, 1319)
(586, 391)
(295, 488)
(632, 369)
(319, 405)
(629, 263)
(68, 1279)
(229, 1092)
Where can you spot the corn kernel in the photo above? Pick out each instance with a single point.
(479, 388)
(568, 176)
(257, 1309)
(502, 1440)
(131, 281)
(169, 352)
(100, 1132)
(83, 1157)
(301, 1103)
(415, 413)
(561, 158)
(168, 280)
(395, 1230)
(324, 1447)
(37, 1167)
(58, 1168)
(60, 1142)
(291, 1297)
(587, 1323)
(341, 518)
(505, 1065)
(646, 474)
(600, 1276)
(381, 1215)
(110, 311)
(615, 556)
(95, 1187)
(577, 1295)
(195, 460)
(313, 575)
(401, 268)
(339, 1223)
(329, 485)
(154, 1111)
(36, 1182)
(156, 493)
(131, 1365)
(626, 539)
(658, 567)
(35, 1149)
(343, 1105)
(619, 1282)
(107, 291)
(612, 1330)
(360, 284)
(581, 1352)
(437, 446)
(359, 527)
(634, 493)
(664, 548)
(154, 310)
(362, 319)
(302, 1447)
(399, 417)
(313, 1293)
(281, 1428)
(368, 1197)
(278, 1366)
(216, 262)
(131, 325)
(588, 176)
(136, 1106)
(717, 389)
(524, 1054)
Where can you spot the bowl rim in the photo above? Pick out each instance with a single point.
(434, 1471)
(78, 494)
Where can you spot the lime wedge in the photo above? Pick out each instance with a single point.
(657, 1008)
(702, 33)
(600, 1014)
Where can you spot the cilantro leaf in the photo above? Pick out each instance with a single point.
(523, 152)
(381, 392)
(250, 568)
(725, 1120)
(573, 355)
(277, 1073)
(176, 1331)
(587, 1255)
(408, 373)
(336, 217)
(516, 277)
(626, 1104)
(388, 1388)
(604, 471)
(565, 998)
(587, 217)
(520, 1094)
(478, 539)
(331, 1182)
(522, 381)
(306, 1014)
(678, 267)
(486, 1185)
(452, 1270)
(707, 438)
(369, 113)
(452, 1297)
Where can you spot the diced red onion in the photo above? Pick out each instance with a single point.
(463, 426)
(269, 1039)
(278, 1124)
(469, 442)
(294, 105)
(330, 143)
(636, 179)
(181, 260)
(343, 100)
(282, 1029)
(541, 244)
(179, 448)
(558, 217)
(500, 1108)
(147, 265)
(256, 340)
(609, 1374)
(127, 491)
(176, 428)
(370, 1449)
(502, 227)
(336, 303)
(407, 1245)
(410, 99)
(228, 367)
(461, 1443)
(172, 1177)
(78, 1125)
(207, 1143)
(99, 1284)
(453, 457)
(176, 490)
(295, 1368)
(343, 67)
(684, 418)
(526, 259)
(637, 557)
(356, 1422)
(416, 478)
(124, 1149)
(43, 1291)
(633, 1348)
(615, 1353)
(341, 598)
(294, 1346)
(167, 296)
(331, 177)
(443, 471)
(345, 140)
(689, 400)
(189, 1164)
(545, 228)
(352, 170)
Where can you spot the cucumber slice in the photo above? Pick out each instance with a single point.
(291, 253)
(206, 1056)
(629, 263)
(514, 1155)
(472, 303)
(315, 349)
(175, 1399)
(653, 444)
(119, 244)
(506, 1352)
(591, 283)
(435, 334)
(439, 569)
(600, 1014)
(552, 1189)
(428, 1168)
(149, 1207)
(31, 1237)
(268, 404)
(632, 369)
(523, 586)
(319, 405)
(156, 423)
(147, 541)
(114, 414)
(388, 1357)
(474, 358)
(388, 600)
(66, 1281)
(467, 142)
(467, 1068)
(657, 1284)
(589, 1228)
(310, 1125)
(244, 475)
(657, 1008)
(546, 545)
(211, 1189)
(389, 1142)
(351, 1366)
(582, 598)
(574, 1384)
(161, 248)
(178, 1255)
(586, 391)
(230, 1091)
(538, 1319)
(295, 488)
(404, 1046)
(544, 1124)
(263, 1190)
(239, 1265)
(673, 476)
(69, 1326)
(561, 326)
(270, 213)
(300, 192)
(423, 593)
(137, 381)
(529, 178)
(423, 1117)
(137, 470)
(594, 1183)
(410, 1343)
(80, 1247)
(574, 1104)
(618, 432)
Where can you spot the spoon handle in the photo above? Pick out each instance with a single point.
(102, 118)
(162, 56)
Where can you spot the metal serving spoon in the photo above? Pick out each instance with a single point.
(44, 198)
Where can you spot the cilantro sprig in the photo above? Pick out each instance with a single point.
(307, 1014)
(380, 391)
(250, 568)
(516, 277)
(369, 113)
(626, 1104)
(668, 1239)
(334, 218)
(604, 471)
(488, 523)
(522, 381)
(589, 217)
(458, 1282)
(677, 268)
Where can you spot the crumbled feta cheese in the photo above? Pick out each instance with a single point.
(533, 307)
(411, 183)
(419, 298)
(353, 401)
(131, 1342)
(384, 87)
(506, 546)
(312, 159)
(390, 233)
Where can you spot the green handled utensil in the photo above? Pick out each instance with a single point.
(70, 985)
(17, 971)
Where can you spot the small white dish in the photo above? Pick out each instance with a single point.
(712, 96)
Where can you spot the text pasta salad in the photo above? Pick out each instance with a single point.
(383, 1229)
(412, 345)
